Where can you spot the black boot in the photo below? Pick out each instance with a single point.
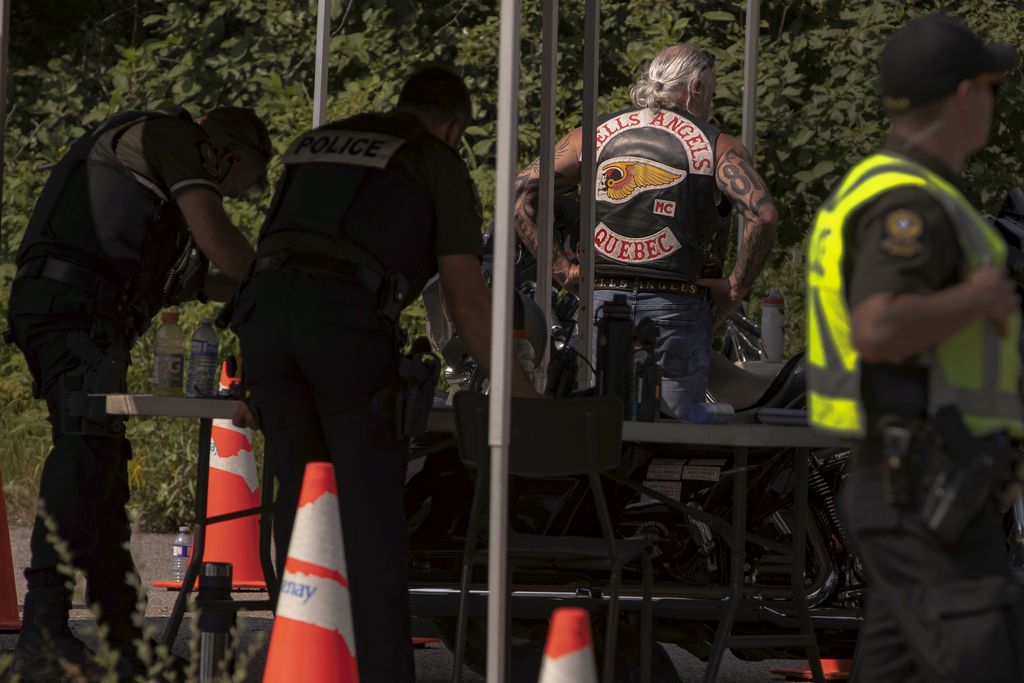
(131, 666)
(47, 649)
(117, 603)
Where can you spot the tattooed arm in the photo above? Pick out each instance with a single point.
(742, 184)
(527, 189)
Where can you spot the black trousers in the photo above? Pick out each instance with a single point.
(314, 355)
(84, 485)
(934, 614)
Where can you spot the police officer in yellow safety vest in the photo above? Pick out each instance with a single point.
(912, 349)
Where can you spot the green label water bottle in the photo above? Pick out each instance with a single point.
(169, 356)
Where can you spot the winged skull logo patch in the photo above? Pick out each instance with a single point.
(620, 178)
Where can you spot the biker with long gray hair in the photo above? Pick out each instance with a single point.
(667, 182)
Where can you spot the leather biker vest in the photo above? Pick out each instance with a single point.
(656, 212)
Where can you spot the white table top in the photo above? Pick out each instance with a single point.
(443, 420)
(170, 406)
(754, 435)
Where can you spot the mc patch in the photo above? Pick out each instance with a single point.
(902, 236)
(663, 207)
(208, 158)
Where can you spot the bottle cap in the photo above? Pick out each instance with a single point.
(169, 317)
(183, 528)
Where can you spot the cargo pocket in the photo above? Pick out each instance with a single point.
(29, 303)
(980, 629)
(102, 365)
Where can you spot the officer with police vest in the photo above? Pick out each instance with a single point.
(913, 332)
(667, 180)
(123, 227)
(369, 208)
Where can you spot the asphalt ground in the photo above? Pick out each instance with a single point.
(433, 662)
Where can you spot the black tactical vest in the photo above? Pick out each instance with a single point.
(656, 212)
(97, 213)
(342, 179)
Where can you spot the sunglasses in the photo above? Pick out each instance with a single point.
(993, 84)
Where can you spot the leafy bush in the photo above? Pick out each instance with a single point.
(77, 61)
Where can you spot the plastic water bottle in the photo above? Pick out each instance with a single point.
(773, 325)
(181, 553)
(169, 356)
(202, 361)
(710, 413)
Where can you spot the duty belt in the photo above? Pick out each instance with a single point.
(639, 284)
(311, 262)
(104, 290)
(389, 288)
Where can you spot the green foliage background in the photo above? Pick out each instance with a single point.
(77, 61)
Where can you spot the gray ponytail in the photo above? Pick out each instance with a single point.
(670, 75)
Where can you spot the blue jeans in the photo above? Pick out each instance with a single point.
(684, 341)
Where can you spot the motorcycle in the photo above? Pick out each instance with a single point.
(1009, 222)
(691, 559)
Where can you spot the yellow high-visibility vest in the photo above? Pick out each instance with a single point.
(974, 369)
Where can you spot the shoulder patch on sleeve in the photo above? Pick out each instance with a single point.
(903, 229)
(208, 158)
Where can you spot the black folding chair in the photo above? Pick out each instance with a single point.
(564, 437)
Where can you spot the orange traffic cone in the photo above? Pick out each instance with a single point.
(313, 638)
(9, 620)
(569, 653)
(234, 485)
(419, 642)
(834, 670)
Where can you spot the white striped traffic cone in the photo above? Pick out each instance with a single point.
(313, 637)
(569, 652)
(233, 485)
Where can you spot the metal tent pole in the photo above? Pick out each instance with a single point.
(545, 210)
(323, 54)
(588, 170)
(501, 337)
(748, 135)
(5, 36)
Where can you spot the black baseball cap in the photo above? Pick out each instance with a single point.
(928, 58)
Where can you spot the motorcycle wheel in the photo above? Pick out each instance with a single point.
(526, 645)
